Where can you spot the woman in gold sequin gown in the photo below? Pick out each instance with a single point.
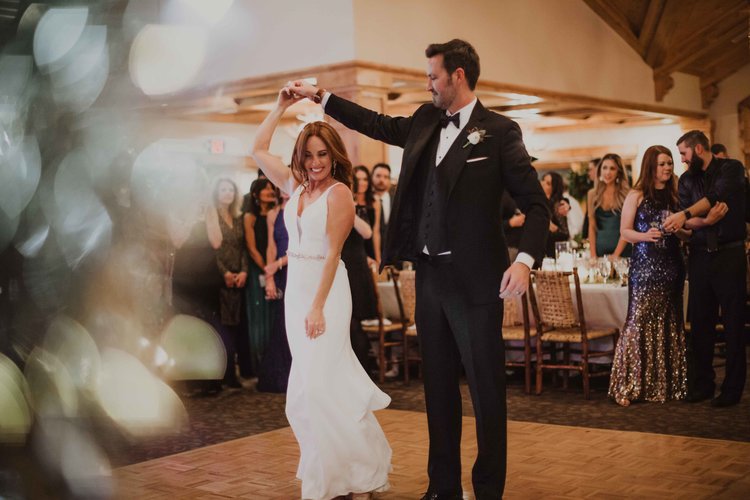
(650, 360)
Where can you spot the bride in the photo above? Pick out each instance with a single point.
(330, 398)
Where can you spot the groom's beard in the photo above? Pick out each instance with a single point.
(696, 163)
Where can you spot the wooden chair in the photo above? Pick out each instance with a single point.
(408, 294)
(513, 330)
(558, 322)
(381, 331)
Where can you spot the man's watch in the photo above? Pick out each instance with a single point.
(318, 97)
(687, 213)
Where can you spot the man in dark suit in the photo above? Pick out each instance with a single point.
(381, 185)
(458, 158)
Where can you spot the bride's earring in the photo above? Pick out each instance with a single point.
(333, 170)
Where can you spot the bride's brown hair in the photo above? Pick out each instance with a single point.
(340, 164)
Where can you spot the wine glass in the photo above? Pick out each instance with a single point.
(621, 267)
(661, 242)
(605, 267)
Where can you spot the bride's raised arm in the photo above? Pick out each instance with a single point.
(271, 164)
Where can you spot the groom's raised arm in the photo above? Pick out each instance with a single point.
(388, 129)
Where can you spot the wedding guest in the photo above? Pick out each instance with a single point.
(605, 202)
(719, 150)
(563, 213)
(717, 265)
(369, 209)
(355, 258)
(552, 184)
(650, 357)
(277, 359)
(513, 220)
(591, 172)
(196, 282)
(384, 192)
(262, 199)
(232, 262)
(575, 215)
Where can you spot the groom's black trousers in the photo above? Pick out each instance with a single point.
(452, 331)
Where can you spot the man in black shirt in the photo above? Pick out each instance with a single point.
(717, 265)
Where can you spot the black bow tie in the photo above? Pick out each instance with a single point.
(455, 119)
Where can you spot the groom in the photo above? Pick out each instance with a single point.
(458, 159)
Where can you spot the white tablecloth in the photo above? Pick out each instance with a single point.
(604, 305)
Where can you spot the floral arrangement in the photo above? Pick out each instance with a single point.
(578, 180)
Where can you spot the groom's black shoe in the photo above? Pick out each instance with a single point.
(442, 496)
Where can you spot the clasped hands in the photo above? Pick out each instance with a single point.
(235, 280)
(295, 91)
(676, 221)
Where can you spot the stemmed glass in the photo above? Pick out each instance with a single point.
(605, 267)
(622, 267)
(659, 224)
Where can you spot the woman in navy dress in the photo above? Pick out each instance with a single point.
(650, 359)
(277, 360)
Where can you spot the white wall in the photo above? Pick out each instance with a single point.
(556, 45)
(723, 110)
(559, 45)
(258, 37)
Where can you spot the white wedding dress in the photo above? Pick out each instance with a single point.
(330, 398)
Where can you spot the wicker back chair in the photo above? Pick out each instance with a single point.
(559, 322)
(515, 331)
(382, 332)
(408, 292)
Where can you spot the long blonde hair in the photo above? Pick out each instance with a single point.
(622, 184)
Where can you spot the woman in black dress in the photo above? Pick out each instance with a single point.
(261, 199)
(368, 209)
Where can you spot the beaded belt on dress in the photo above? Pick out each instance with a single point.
(296, 255)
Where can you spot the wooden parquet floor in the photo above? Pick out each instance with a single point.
(545, 461)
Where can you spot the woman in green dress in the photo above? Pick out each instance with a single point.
(257, 204)
(605, 202)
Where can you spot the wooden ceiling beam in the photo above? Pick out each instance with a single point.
(723, 66)
(600, 124)
(720, 30)
(650, 24)
(502, 108)
(616, 20)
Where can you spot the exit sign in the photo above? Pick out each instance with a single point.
(216, 146)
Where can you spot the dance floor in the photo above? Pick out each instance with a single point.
(545, 461)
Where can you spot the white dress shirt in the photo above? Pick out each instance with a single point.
(385, 202)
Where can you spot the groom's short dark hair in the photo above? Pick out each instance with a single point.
(457, 54)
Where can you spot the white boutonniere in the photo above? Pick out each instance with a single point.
(476, 135)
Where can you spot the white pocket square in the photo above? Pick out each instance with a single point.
(471, 160)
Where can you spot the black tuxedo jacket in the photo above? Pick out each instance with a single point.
(471, 178)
